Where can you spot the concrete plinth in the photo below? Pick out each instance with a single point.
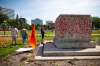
(50, 52)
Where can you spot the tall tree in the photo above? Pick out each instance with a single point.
(4, 26)
(3, 17)
(17, 21)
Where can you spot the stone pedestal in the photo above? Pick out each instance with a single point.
(51, 50)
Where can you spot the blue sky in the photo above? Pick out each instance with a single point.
(50, 9)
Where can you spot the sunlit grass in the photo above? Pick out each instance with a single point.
(96, 32)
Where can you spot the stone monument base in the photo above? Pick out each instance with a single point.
(50, 52)
(74, 44)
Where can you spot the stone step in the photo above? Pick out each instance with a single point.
(51, 50)
(67, 58)
(39, 56)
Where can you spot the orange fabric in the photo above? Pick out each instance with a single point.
(33, 37)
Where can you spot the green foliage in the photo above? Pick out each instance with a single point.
(3, 21)
(3, 17)
(18, 22)
(95, 22)
(50, 26)
(12, 23)
(4, 27)
(38, 26)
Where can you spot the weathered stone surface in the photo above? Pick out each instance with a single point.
(73, 31)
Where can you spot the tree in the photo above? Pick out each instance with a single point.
(96, 22)
(4, 26)
(3, 21)
(22, 23)
(3, 17)
(12, 22)
(38, 26)
(51, 26)
(17, 21)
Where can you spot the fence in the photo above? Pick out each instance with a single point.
(6, 39)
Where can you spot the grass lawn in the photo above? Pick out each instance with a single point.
(4, 52)
(96, 35)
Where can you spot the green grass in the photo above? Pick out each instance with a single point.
(96, 35)
(96, 32)
(4, 52)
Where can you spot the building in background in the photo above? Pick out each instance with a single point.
(37, 21)
(9, 12)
